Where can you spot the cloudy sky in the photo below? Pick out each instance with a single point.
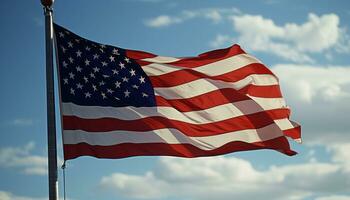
(306, 43)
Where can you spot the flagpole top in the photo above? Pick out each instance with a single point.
(47, 3)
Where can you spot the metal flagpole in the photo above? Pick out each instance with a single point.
(51, 120)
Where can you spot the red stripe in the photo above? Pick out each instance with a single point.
(215, 98)
(137, 55)
(209, 57)
(204, 101)
(252, 121)
(294, 133)
(142, 63)
(270, 91)
(188, 75)
(72, 151)
(279, 113)
(190, 62)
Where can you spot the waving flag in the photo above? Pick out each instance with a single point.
(117, 103)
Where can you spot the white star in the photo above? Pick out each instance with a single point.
(101, 83)
(127, 60)
(103, 95)
(61, 34)
(72, 91)
(94, 87)
(63, 49)
(135, 86)
(71, 75)
(70, 44)
(87, 95)
(102, 46)
(78, 69)
(144, 94)
(65, 81)
(117, 84)
(87, 48)
(110, 91)
(132, 72)
(64, 64)
(111, 58)
(115, 71)
(96, 69)
(125, 79)
(71, 60)
(78, 53)
(86, 79)
(121, 65)
(79, 86)
(104, 63)
(92, 75)
(127, 93)
(87, 62)
(142, 79)
(115, 52)
(96, 56)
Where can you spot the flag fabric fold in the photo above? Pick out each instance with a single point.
(118, 103)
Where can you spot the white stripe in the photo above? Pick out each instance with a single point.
(156, 69)
(214, 114)
(270, 103)
(170, 136)
(205, 85)
(161, 59)
(284, 124)
(212, 69)
(227, 65)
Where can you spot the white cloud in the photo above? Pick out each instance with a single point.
(334, 197)
(21, 157)
(319, 98)
(291, 41)
(4, 195)
(315, 35)
(221, 40)
(215, 15)
(163, 20)
(135, 186)
(307, 82)
(340, 154)
(229, 178)
(343, 45)
(22, 122)
(9, 196)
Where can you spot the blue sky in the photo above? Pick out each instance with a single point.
(306, 43)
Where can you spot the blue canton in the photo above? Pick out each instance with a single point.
(94, 74)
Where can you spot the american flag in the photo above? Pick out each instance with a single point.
(118, 103)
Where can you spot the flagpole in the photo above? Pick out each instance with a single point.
(50, 98)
